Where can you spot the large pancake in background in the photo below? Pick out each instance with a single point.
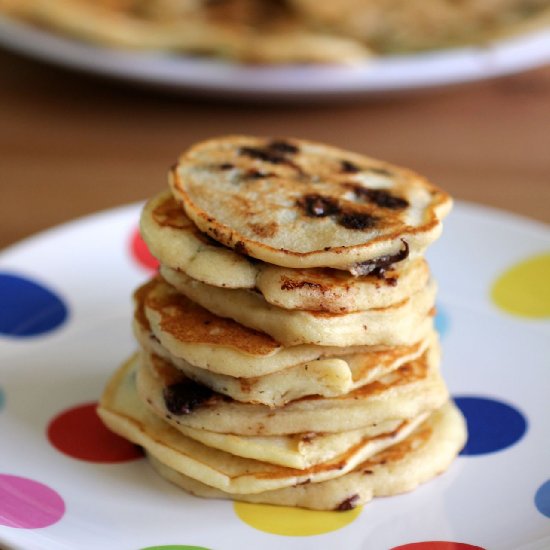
(426, 453)
(247, 30)
(407, 25)
(399, 324)
(301, 204)
(324, 377)
(406, 392)
(223, 346)
(123, 412)
(177, 243)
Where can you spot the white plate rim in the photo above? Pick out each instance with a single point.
(379, 75)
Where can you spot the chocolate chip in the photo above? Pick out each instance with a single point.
(349, 167)
(283, 147)
(376, 266)
(184, 397)
(348, 504)
(318, 206)
(275, 152)
(240, 248)
(357, 220)
(226, 166)
(380, 197)
(267, 155)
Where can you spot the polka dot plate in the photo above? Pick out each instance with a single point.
(67, 483)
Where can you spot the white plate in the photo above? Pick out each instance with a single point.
(494, 500)
(381, 75)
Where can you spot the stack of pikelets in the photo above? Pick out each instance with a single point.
(288, 354)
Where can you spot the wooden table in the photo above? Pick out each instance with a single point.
(72, 144)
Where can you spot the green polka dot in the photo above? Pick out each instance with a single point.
(524, 289)
(175, 547)
(293, 522)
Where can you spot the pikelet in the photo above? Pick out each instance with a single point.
(122, 409)
(413, 452)
(287, 345)
(178, 244)
(167, 325)
(421, 456)
(295, 203)
(404, 393)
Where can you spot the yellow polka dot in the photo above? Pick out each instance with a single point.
(524, 289)
(293, 522)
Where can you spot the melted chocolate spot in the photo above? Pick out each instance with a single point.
(226, 166)
(240, 248)
(318, 206)
(348, 504)
(357, 220)
(267, 155)
(349, 167)
(184, 397)
(380, 197)
(283, 147)
(377, 266)
(275, 152)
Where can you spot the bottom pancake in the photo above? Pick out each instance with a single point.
(427, 452)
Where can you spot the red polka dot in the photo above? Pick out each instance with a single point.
(79, 433)
(141, 253)
(437, 545)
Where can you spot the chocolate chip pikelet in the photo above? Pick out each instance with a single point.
(287, 349)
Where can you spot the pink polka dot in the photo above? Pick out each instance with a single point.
(28, 504)
(437, 545)
(141, 253)
(79, 433)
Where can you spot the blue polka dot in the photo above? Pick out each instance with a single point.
(27, 308)
(542, 499)
(441, 320)
(492, 425)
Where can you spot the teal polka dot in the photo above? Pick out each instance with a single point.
(542, 499)
(441, 320)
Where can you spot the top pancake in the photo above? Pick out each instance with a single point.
(295, 203)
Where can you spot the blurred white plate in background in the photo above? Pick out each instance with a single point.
(197, 74)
